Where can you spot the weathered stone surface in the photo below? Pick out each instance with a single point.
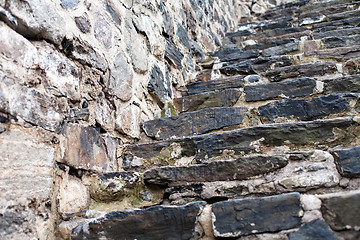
(173, 53)
(213, 85)
(342, 85)
(182, 35)
(221, 98)
(138, 51)
(268, 44)
(75, 115)
(293, 88)
(342, 212)
(255, 66)
(27, 163)
(102, 31)
(305, 109)
(35, 20)
(348, 161)
(83, 24)
(304, 70)
(244, 140)
(238, 55)
(281, 49)
(256, 215)
(352, 66)
(69, 4)
(84, 148)
(336, 24)
(29, 104)
(339, 53)
(341, 41)
(317, 229)
(239, 169)
(121, 78)
(337, 33)
(128, 121)
(151, 223)
(194, 123)
(158, 85)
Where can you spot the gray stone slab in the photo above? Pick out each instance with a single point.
(348, 161)
(315, 230)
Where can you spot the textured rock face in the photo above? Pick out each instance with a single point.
(256, 215)
(314, 230)
(151, 223)
(348, 161)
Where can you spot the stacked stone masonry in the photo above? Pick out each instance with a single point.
(186, 119)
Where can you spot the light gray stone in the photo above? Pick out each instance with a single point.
(137, 51)
(128, 121)
(102, 31)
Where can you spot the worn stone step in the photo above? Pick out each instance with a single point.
(236, 55)
(338, 54)
(256, 215)
(174, 222)
(256, 66)
(327, 133)
(239, 169)
(220, 98)
(337, 33)
(281, 49)
(214, 85)
(336, 24)
(194, 123)
(317, 229)
(348, 161)
(292, 88)
(307, 109)
(341, 85)
(303, 70)
(340, 41)
(253, 44)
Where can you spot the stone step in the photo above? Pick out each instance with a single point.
(195, 123)
(303, 70)
(338, 54)
(260, 139)
(340, 41)
(348, 161)
(219, 98)
(336, 24)
(341, 85)
(337, 33)
(309, 109)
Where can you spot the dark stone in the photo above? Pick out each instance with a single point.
(159, 86)
(8, 18)
(236, 54)
(69, 4)
(333, 25)
(167, 21)
(182, 35)
(274, 25)
(343, 15)
(315, 230)
(279, 32)
(312, 133)
(304, 70)
(213, 85)
(348, 161)
(293, 88)
(173, 54)
(255, 66)
(241, 33)
(153, 223)
(221, 98)
(256, 215)
(337, 33)
(85, 104)
(342, 212)
(305, 109)
(281, 49)
(339, 53)
(341, 41)
(342, 85)
(83, 24)
(196, 50)
(194, 123)
(78, 114)
(240, 169)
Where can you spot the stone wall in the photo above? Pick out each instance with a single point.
(77, 80)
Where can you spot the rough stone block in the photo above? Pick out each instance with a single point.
(159, 86)
(221, 98)
(337, 33)
(305, 109)
(239, 169)
(340, 41)
(342, 85)
(342, 212)
(128, 121)
(153, 223)
(339, 53)
(194, 123)
(173, 54)
(304, 70)
(256, 215)
(348, 161)
(281, 49)
(292, 88)
(213, 85)
(317, 229)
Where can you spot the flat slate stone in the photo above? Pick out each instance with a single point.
(153, 223)
(239, 169)
(213, 85)
(315, 230)
(337, 33)
(193, 123)
(319, 132)
(158, 85)
(348, 161)
(340, 41)
(304, 70)
(293, 88)
(339, 53)
(221, 98)
(305, 109)
(281, 49)
(256, 215)
(173, 54)
(342, 212)
(270, 44)
(256, 66)
(342, 85)
(337, 24)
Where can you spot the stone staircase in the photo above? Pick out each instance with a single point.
(268, 148)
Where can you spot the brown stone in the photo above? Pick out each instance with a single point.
(128, 121)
